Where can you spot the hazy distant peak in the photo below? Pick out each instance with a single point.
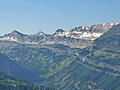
(15, 32)
(39, 33)
(59, 30)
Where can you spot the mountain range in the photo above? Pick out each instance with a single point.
(81, 37)
(84, 58)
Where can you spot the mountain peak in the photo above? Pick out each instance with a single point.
(15, 32)
(13, 36)
(59, 30)
(40, 33)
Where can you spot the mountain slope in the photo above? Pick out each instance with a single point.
(110, 39)
(9, 83)
(107, 48)
(66, 69)
(12, 69)
(37, 58)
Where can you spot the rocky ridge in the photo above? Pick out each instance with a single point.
(82, 36)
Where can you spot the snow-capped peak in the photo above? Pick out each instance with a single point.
(13, 36)
(86, 32)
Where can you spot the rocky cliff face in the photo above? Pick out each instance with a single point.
(82, 36)
(110, 39)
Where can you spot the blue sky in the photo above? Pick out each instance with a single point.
(31, 16)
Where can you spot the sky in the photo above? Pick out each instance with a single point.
(31, 16)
